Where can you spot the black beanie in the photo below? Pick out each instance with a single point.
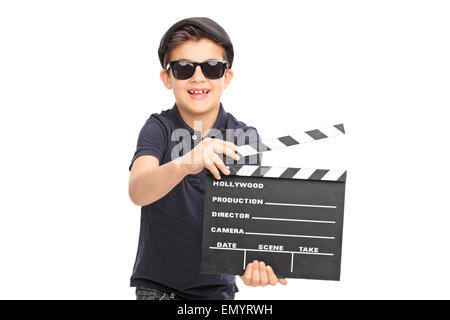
(206, 24)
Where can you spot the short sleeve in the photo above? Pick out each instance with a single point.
(152, 140)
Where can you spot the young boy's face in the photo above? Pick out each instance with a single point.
(197, 51)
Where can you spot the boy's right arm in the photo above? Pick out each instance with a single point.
(149, 181)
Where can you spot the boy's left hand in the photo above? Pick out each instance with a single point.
(258, 274)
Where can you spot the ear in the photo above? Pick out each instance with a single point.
(165, 77)
(227, 78)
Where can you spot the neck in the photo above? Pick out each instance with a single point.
(208, 119)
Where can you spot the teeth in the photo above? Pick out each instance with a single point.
(198, 92)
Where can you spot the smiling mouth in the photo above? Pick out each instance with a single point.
(198, 92)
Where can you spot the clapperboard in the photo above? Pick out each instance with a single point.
(290, 218)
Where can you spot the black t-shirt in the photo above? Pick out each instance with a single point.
(170, 239)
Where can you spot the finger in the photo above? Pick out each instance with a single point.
(219, 164)
(226, 143)
(231, 153)
(282, 281)
(273, 280)
(211, 167)
(227, 150)
(231, 145)
(263, 274)
(247, 277)
(255, 274)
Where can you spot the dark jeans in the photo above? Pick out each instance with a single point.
(153, 294)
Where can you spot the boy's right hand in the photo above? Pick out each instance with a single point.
(204, 155)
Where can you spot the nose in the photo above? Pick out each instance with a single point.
(198, 74)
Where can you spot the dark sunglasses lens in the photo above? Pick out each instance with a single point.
(182, 70)
(213, 69)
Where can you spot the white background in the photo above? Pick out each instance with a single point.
(78, 79)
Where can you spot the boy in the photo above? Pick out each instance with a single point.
(167, 176)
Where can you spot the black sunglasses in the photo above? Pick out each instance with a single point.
(212, 69)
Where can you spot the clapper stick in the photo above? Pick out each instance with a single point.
(288, 172)
(290, 140)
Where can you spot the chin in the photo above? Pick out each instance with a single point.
(199, 108)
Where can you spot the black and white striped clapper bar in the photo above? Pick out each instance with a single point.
(290, 218)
